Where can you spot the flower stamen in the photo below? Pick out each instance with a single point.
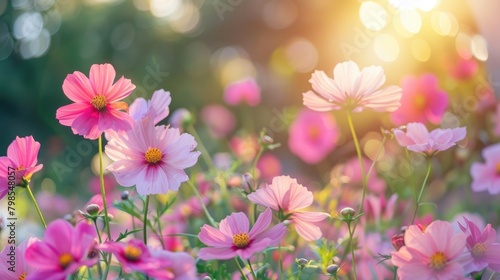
(241, 240)
(438, 261)
(65, 259)
(479, 250)
(99, 102)
(23, 276)
(153, 155)
(132, 253)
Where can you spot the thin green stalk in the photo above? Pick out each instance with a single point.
(351, 243)
(251, 269)
(97, 230)
(300, 272)
(36, 206)
(360, 158)
(205, 210)
(104, 203)
(160, 234)
(376, 156)
(491, 276)
(429, 167)
(240, 269)
(203, 150)
(145, 223)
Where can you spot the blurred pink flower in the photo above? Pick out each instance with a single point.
(63, 251)
(179, 265)
(110, 184)
(246, 90)
(422, 101)
(368, 265)
(465, 68)
(97, 107)
(157, 106)
(219, 120)
(484, 251)
(352, 89)
(21, 160)
(435, 253)
(135, 256)
(234, 238)
(22, 269)
(269, 166)
(352, 169)
(289, 198)
(244, 147)
(419, 140)
(486, 176)
(378, 207)
(313, 135)
(151, 158)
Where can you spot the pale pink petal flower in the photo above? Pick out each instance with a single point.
(436, 253)
(482, 245)
(418, 139)
(422, 101)
(235, 238)
(247, 91)
(180, 265)
(285, 195)
(313, 135)
(151, 158)
(157, 106)
(20, 162)
(63, 251)
(486, 176)
(97, 106)
(21, 268)
(352, 89)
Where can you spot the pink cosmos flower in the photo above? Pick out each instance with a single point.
(64, 250)
(484, 251)
(22, 269)
(433, 254)
(313, 135)
(151, 158)
(246, 90)
(289, 198)
(269, 166)
(158, 106)
(244, 147)
(234, 238)
(465, 68)
(180, 265)
(352, 89)
(422, 101)
(22, 156)
(219, 120)
(135, 256)
(419, 140)
(486, 176)
(97, 107)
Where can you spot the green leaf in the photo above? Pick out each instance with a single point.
(127, 233)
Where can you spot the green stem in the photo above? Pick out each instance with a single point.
(160, 234)
(36, 206)
(104, 203)
(203, 150)
(492, 274)
(429, 167)
(145, 223)
(376, 157)
(360, 158)
(300, 272)
(240, 269)
(205, 210)
(251, 269)
(351, 243)
(97, 230)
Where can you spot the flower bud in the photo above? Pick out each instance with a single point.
(347, 213)
(247, 182)
(266, 139)
(302, 262)
(398, 241)
(92, 209)
(206, 278)
(332, 269)
(124, 195)
(181, 118)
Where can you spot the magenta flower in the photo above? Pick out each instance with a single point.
(289, 199)
(484, 251)
(465, 68)
(247, 91)
(179, 265)
(22, 269)
(63, 251)
(134, 256)
(97, 107)
(157, 106)
(422, 101)
(434, 254)
(21, 159)
(233, 238)
(218, 119)
(352, 89)
(151, 158)
(313, 135)
(486, 176)
(419, 140)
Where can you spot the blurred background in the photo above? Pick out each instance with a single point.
(195, 48)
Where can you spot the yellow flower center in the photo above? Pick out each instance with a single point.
(23, 276)
(438, 261)
(241, 240)
(479, 250)
(419, 101)
(99, 102)
(132, 253)
(153, 155)
(498, 168)
(65, 259)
